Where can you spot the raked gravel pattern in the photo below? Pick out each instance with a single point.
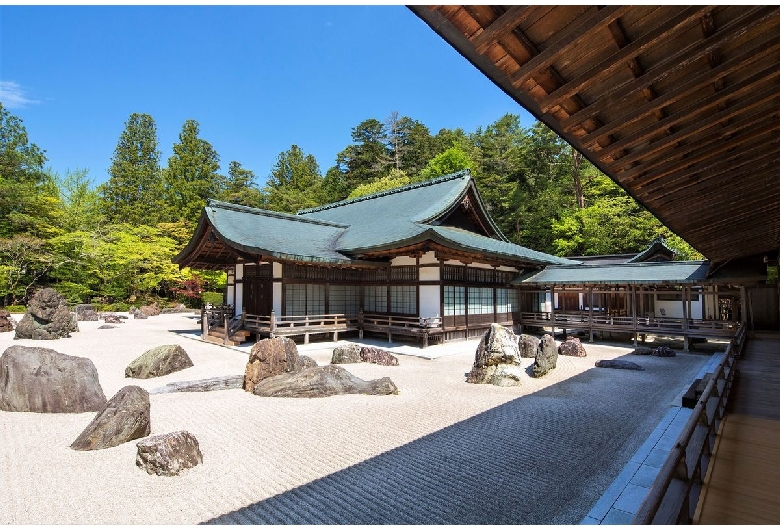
(442, 451)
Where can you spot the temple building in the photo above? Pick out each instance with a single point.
(427, 261)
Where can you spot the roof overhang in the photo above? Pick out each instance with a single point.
(679, 105)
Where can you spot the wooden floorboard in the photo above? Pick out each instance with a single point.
(742, 485)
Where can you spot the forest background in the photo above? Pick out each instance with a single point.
(111, 244)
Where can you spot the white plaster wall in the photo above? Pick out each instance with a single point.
(430, 302)
(428, 257)
(277, 298)
(480, 265)
(276, 269)
(231, 279)
(403, 260)
(674, 308)
(453, 262)
(430, 274)
(503, 268)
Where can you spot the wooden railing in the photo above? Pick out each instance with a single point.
(424, 327)
(600, 321)
(305, 325)
(675, 492)
(216, 316)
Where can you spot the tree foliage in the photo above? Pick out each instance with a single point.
(294, 183)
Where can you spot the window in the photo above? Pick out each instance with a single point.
(480, 300)
(403, 273)
(454, 300)
(344, 299)
(403, 299)
(506, 301)
(304, 299)
(375, 299)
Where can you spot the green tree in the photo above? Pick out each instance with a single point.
(452, 160)
(192, 176)
(395, 179)
(295, 182)
(28, 196)
(134, 190)
(240, 187)
(80, 202)
(24, 261)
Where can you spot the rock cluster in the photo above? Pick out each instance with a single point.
(162, 360)
(528, 344)
(86, 312)
(125, 417)
(36, 379)
(546, 357)
(6, 322)
(47, 317)
(137, 313)
(109, 318)
(168, 454)
(276, 370)
(619, 364)
(660, 351)
(354, 353)
(497, 359)
(572, 347)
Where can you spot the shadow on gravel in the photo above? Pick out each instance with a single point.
(545, 458)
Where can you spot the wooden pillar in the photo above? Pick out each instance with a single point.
(633, 312)
(590, 312)
(552, 309)
(204, 324)
(685, 308)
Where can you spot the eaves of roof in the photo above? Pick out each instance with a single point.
(669, 272)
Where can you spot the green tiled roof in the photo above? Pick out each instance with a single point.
(340, 231)
(676, 272)
(276, 234)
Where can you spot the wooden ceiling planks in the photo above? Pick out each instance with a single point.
(680, 105)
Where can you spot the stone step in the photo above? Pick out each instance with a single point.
(221, 340)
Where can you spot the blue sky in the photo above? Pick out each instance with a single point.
(257, 78)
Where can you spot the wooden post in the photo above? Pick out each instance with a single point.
(360, 323)
(272, 325)
(685, 317)
(204, 324)
(552, 309)
(633, 312)
(227, 328)
(590, 312)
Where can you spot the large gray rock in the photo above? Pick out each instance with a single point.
(86, 313)
(43, 380)
(664, 351)
(527, 344)
(377, 356)
(321, 381)
(619, 364)
(150, 310)
(162, 360)
(125, 417)
(47, 317)
(572, 347)
(6, 322)
(546, 357)
(270, 357)
(137, 313)
(346, 354)
(496, 358)
(112, 319)
(642, 350)
(168, 454)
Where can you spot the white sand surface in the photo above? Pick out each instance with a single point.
(442, 450)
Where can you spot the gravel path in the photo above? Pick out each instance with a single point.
(440, 452)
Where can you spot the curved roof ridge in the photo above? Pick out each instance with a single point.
(269, 213)
(383, 193)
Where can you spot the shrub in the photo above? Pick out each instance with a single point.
(117, 307)
(16, 309)
(212, 298)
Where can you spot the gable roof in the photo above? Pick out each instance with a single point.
(656, 272)
(344, 232)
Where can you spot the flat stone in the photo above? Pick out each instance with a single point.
(322, 381)
(619, 364)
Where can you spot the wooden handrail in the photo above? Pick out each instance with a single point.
(675, 492)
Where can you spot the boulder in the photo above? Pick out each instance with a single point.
(168, 454)
(304, 361)
(572, 347)
(270, 357)
(36, 379)
(178, 308)
(322, 381)
(162, 360)
(6, 322)
(137, 313)
(112, 319)
(86, 313)
(546, 357)
(619, 364)
(47, 317)
(346, 354)
(106, 326)
(497, 357)
(527, 344)
(642, 350)
(377, 356)
(663, 351)
(150, 310)
(125, 417)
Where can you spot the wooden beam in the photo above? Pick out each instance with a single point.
(563, 40)
(618, 59)
(503, 24)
